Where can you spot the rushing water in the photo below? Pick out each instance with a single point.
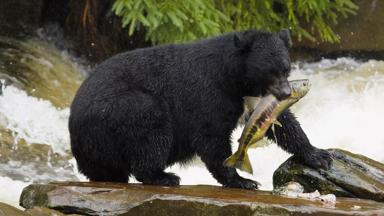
(342, 110)
(38, 83)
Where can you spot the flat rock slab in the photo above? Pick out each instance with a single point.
(91, 198)
(350, 175)
(7, 210)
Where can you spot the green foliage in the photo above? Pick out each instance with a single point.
(169, 21)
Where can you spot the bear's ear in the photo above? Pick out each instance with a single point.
(241, 41)
(286, 37)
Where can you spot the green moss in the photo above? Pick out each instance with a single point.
(350, 175)
(35, 195)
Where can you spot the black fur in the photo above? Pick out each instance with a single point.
(292, 139)
(143, 110)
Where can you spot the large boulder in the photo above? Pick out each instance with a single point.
(135, 199)
(350, 175)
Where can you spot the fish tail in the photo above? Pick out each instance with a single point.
(239, 161)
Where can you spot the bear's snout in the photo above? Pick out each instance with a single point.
(281, 90)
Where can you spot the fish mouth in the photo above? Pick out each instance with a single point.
(300, 88)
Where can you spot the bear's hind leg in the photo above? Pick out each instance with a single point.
(150, 158)
(101, 173)
(108, 175)
(148, 138)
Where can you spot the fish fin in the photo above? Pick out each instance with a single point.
(232, 160)
(241, 163)
(276, 122)
(273, 131)
(261, 143)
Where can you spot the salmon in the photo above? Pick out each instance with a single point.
(263, 116)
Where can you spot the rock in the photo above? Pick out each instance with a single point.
(41, 211)
(351, 175)
(91, 198)
(7, 210)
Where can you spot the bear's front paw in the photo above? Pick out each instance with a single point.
(243, 183)
(317, 158)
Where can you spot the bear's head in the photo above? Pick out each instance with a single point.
(267, 62)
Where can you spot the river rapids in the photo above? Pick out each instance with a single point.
(38, 82)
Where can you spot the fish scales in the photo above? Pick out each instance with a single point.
(263, 116)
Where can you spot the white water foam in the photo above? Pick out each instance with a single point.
(344, 107)
(342, 110)
(10, 190)
(34, 120)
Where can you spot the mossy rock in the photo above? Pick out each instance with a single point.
(350, 175)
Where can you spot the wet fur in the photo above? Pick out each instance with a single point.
(144, 110)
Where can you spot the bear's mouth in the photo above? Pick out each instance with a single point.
(280, 93)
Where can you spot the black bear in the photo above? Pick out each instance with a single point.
(143, 110)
